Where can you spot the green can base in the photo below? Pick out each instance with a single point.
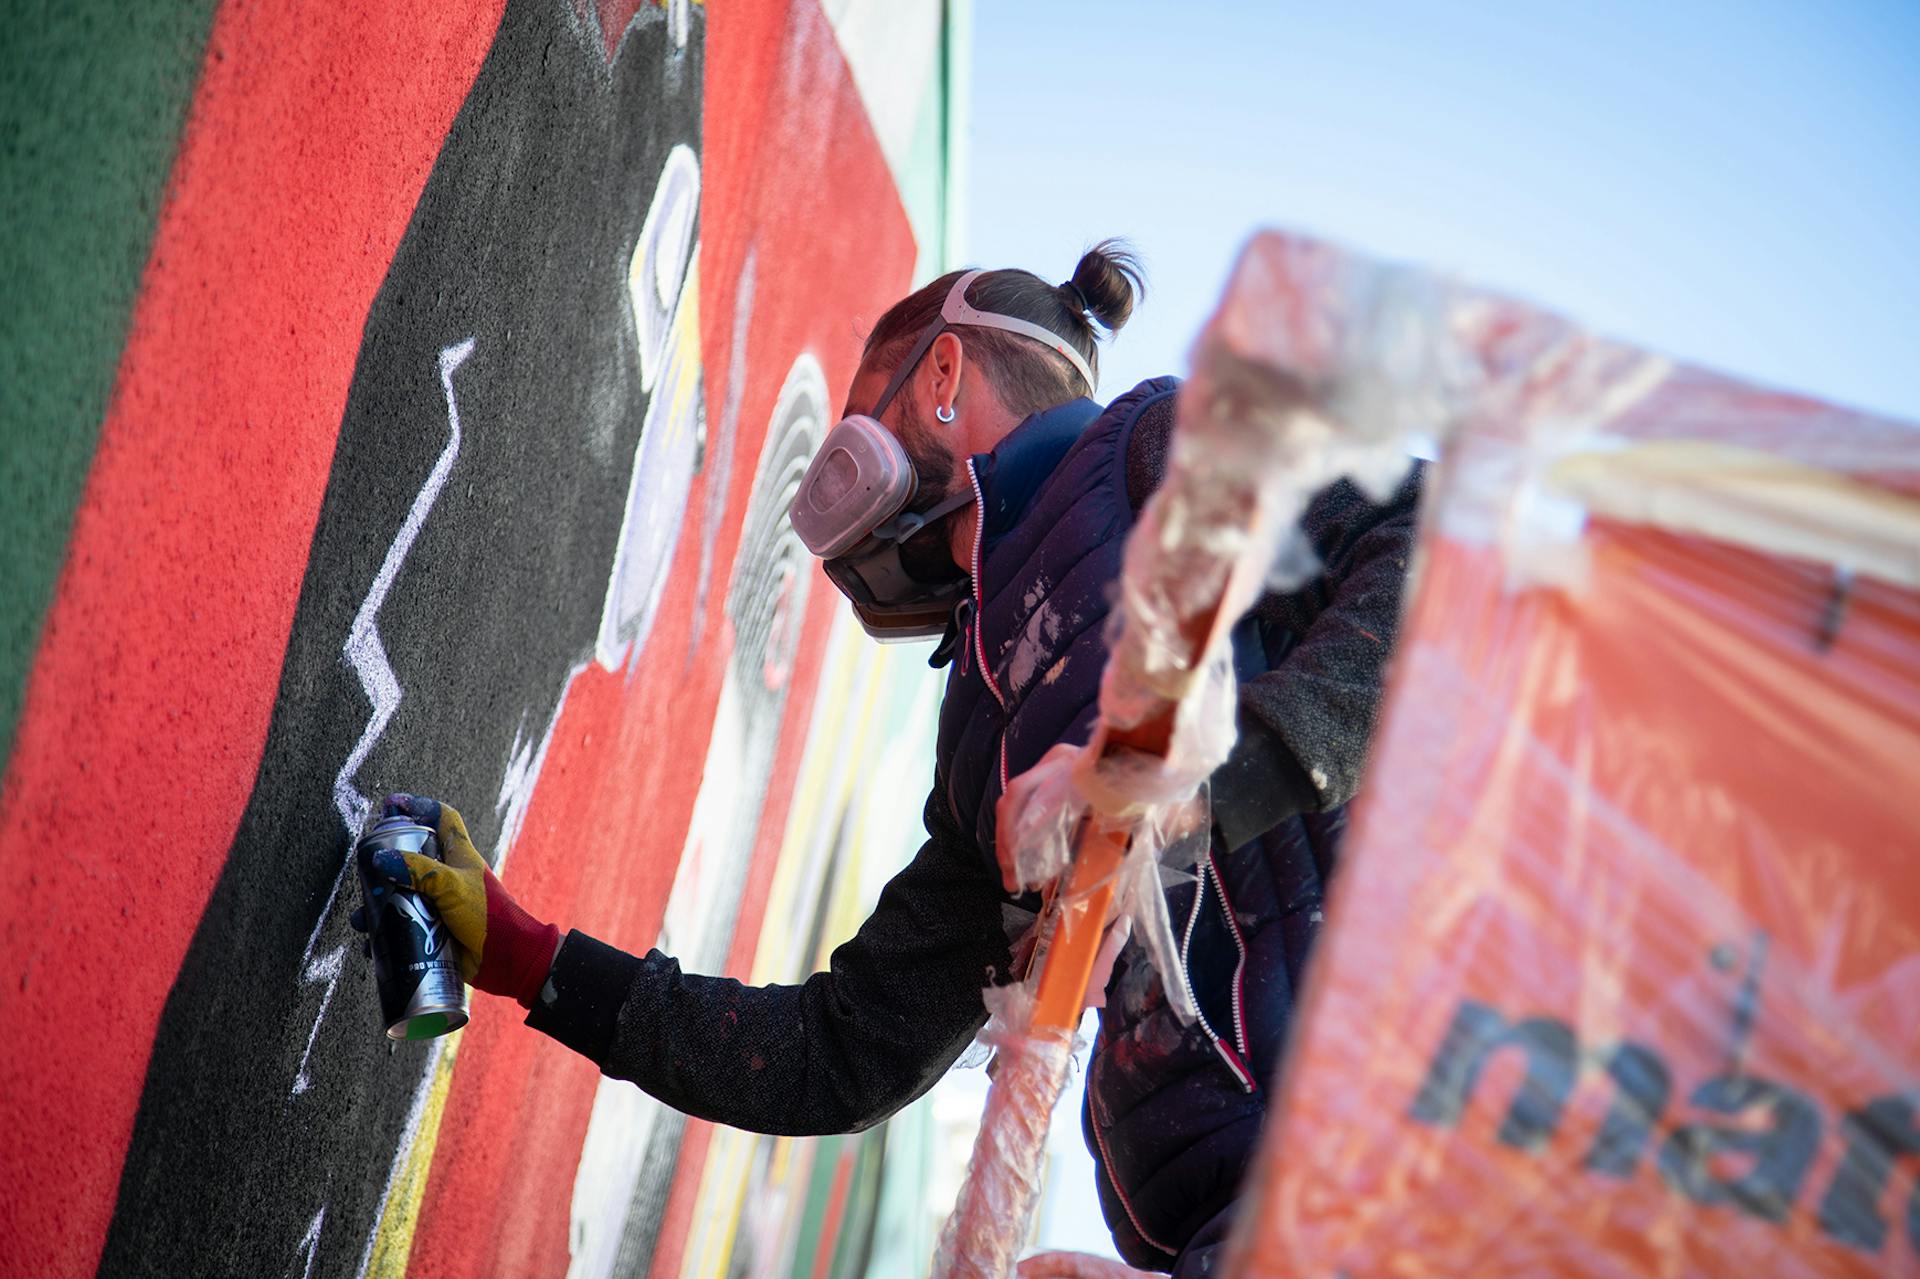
(427, 1025)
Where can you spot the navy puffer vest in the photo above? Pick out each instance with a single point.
(1026, 673)
(1173, 1112)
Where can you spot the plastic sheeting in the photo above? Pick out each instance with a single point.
(990, 1222)
(1622, 967)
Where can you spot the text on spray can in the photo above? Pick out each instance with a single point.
(421, 994)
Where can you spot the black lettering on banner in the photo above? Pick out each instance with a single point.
(1644, 1085)
(1781, 1153)
(1752, 1152)
(1875, 1135)
(1476, 1034)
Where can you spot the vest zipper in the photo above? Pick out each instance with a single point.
(1240, 969)
(979, 610)
(1233, 1054)
(1235, 1061)
(1227, 1053)
(1106, 1161)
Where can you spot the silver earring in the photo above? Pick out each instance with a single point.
(943, 414)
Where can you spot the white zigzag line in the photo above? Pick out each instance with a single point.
(311, 1241)
(369, 659)
(327, 969)
(365, 652)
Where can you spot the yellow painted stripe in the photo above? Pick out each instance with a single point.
(400, 1215)
(855, 683)
(721, 1204)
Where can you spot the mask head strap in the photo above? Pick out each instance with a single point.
(955, 311)
(907, 523)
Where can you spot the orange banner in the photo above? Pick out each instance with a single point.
(1623, 968)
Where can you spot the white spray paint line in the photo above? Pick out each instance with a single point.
(326, 968)
(422, 1093)
(369, 660)
(367, 655)
(523, 776)
(310, 1242)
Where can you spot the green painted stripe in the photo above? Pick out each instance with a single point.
(93, 99)
(853, 1251)
(806, 1242)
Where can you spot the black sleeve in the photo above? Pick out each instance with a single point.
(1306, 723)
(1333, 638)
(838, 1053)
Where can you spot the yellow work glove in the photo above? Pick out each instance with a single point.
(501, 949)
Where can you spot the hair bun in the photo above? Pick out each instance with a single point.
(1106, 283)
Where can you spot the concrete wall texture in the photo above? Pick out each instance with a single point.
(408, 398)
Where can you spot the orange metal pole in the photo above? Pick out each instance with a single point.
(1067, 965)
(1082, 915)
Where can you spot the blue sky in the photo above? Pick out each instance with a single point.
(1735, 184)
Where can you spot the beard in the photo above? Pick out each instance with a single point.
(926, 555)
(933, 461)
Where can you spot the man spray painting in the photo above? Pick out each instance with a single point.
(977, 492)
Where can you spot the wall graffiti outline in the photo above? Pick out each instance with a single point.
(367, 656)
(365, 652)
(310, 1242)
(663, 286)
(393, 745)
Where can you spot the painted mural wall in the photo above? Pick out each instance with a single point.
(409, 398)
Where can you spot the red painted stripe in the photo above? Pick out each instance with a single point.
(783, 122)
(836, 1210)
(311, 135)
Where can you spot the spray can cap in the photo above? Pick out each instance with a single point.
(395, 821)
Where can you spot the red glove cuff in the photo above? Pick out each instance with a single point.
(519, 948)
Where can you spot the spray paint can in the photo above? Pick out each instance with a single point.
(421, 994)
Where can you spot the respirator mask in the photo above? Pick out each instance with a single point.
(851, 507)
(851, 512)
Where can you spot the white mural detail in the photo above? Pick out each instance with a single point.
(310, 1242)
(365, 653)
(663, 285)
(661, 257)
(325, 968)
(368, 657)
(766, 599)
(522, 774)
